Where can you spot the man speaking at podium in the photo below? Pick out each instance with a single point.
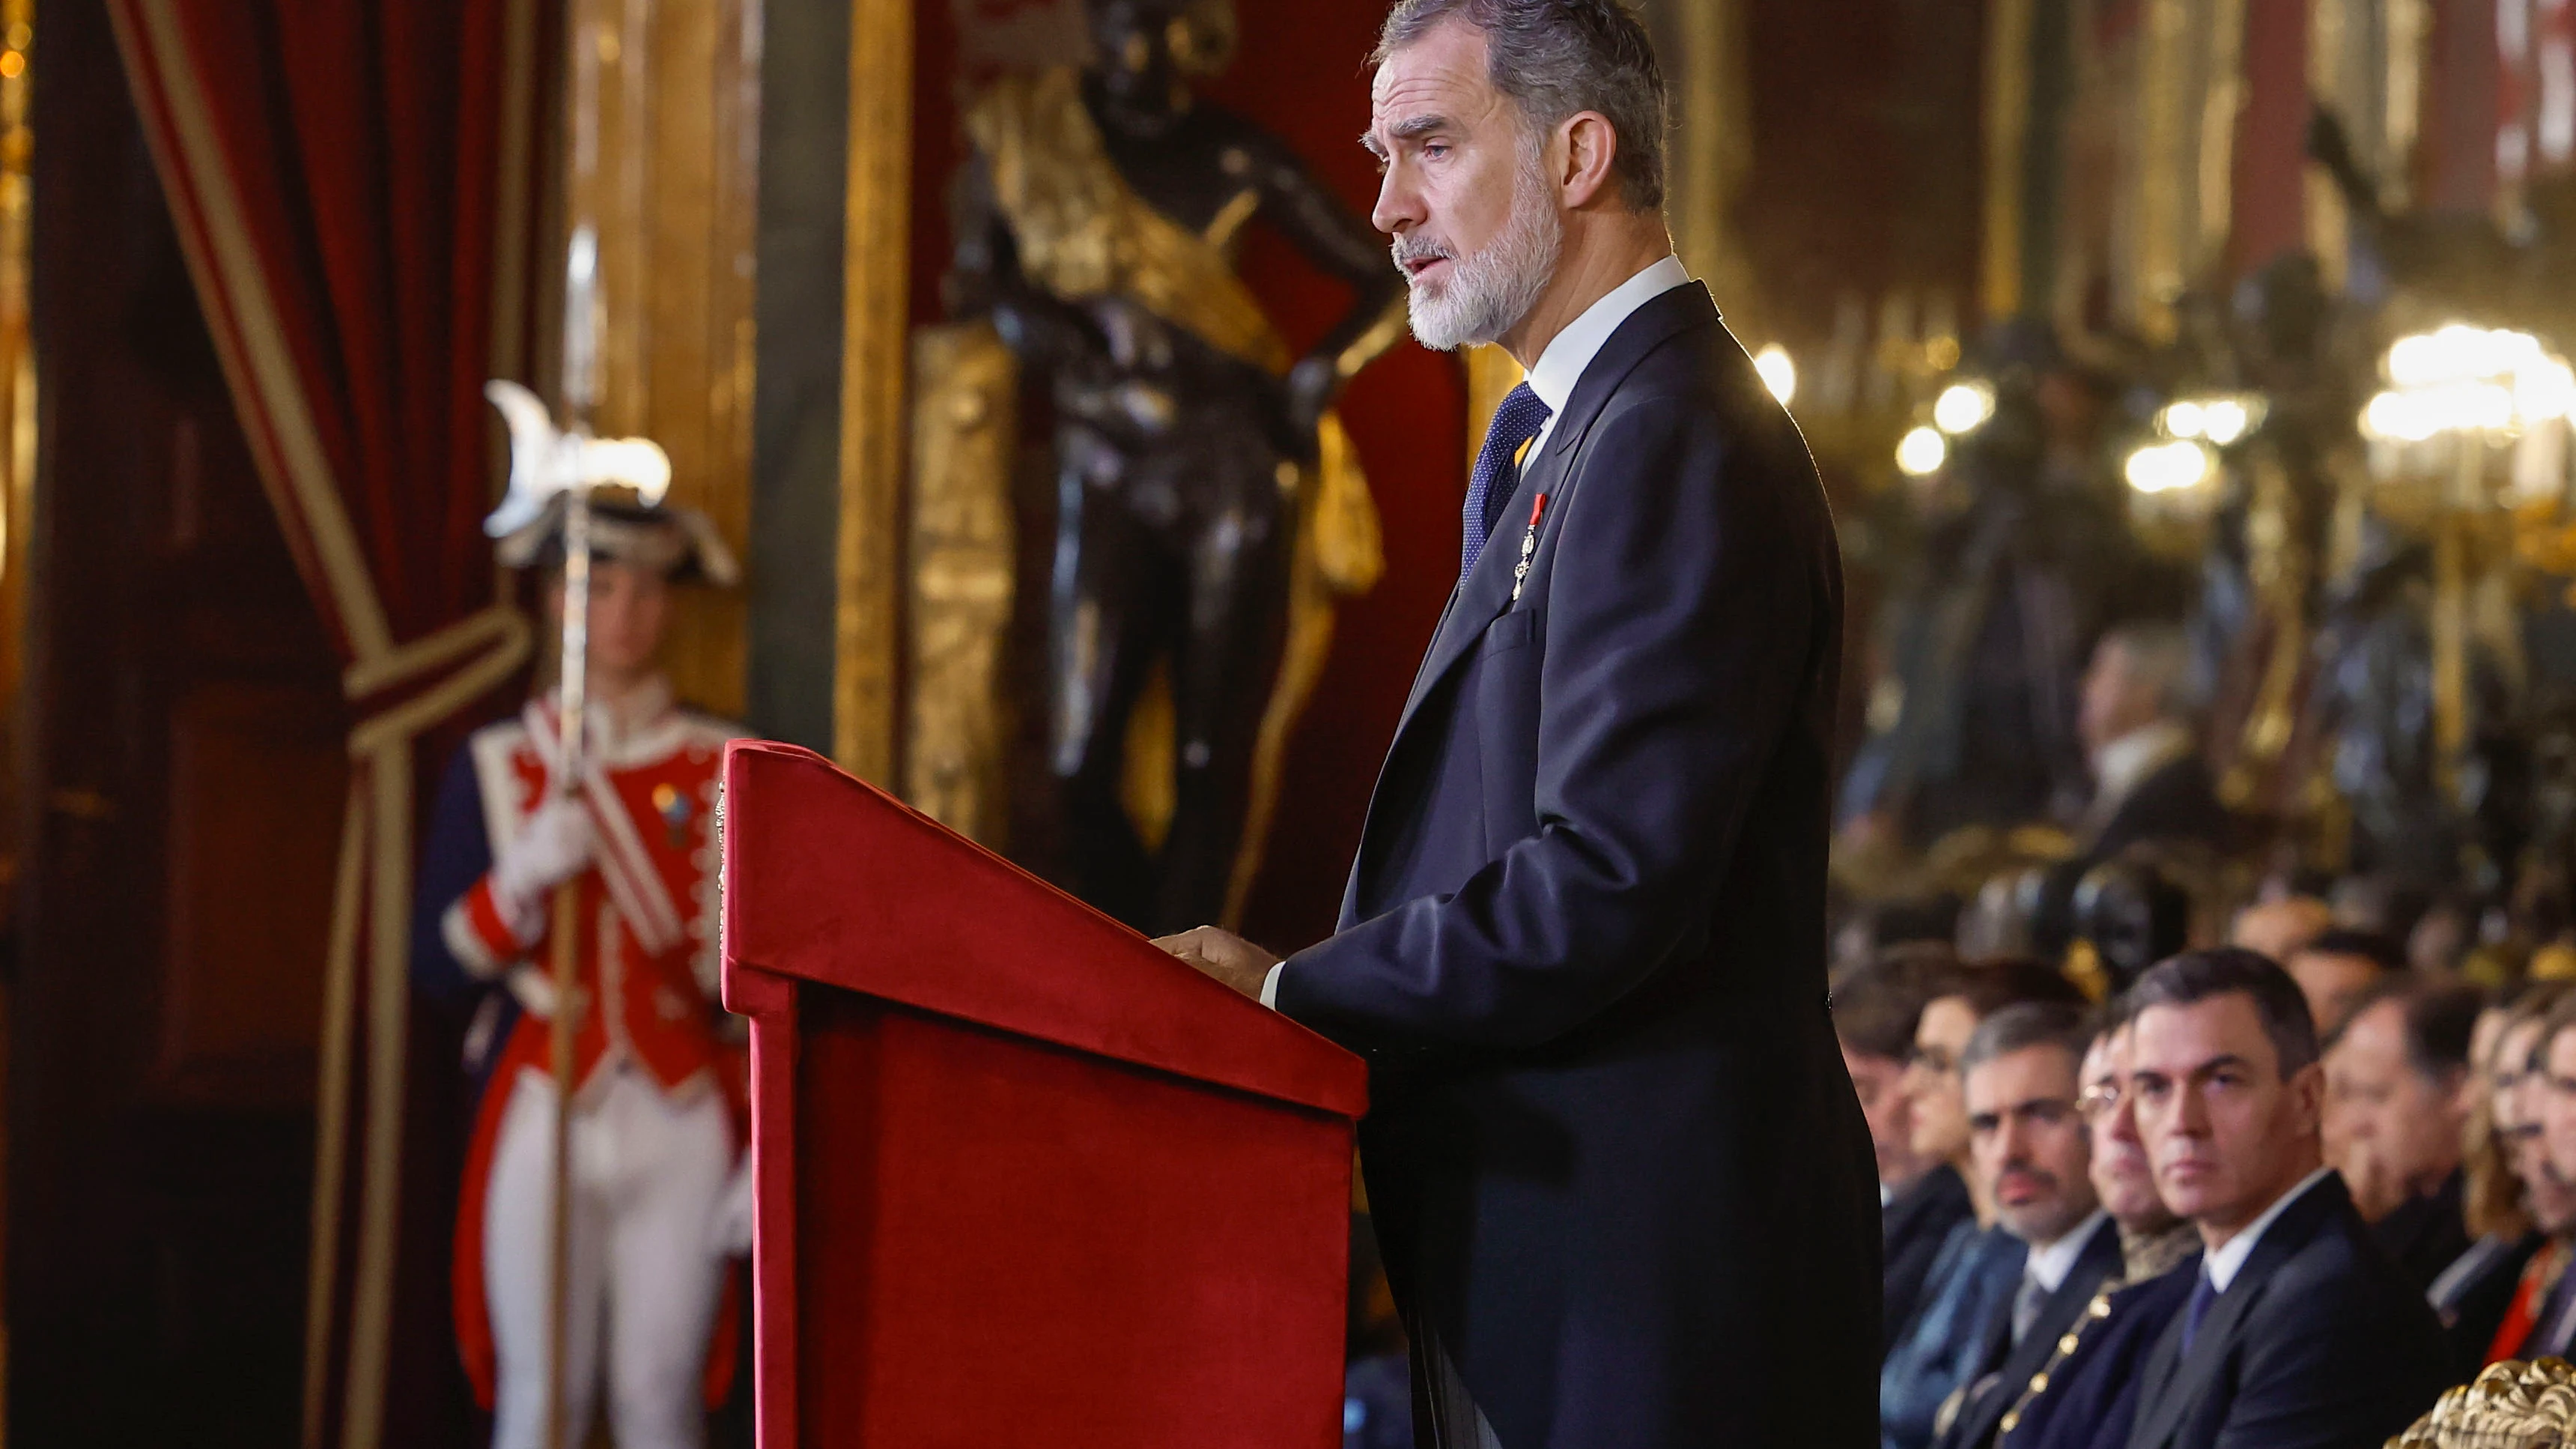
(1622, 1184)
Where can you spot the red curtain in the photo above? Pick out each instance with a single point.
(351, 184)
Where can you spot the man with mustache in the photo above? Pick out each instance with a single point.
(2027, 1135)
(2298, 1329)
(1624, 1190)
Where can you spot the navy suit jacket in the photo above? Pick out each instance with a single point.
(1913, 1226)
(1612, 1154)
(2007, 1368)
(2319, 1341)
(2091, 1401)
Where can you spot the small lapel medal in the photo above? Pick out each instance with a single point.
(1529, 546)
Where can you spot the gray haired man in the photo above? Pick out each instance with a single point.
(1625, 1192)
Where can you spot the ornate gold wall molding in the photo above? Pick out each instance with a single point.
(1712, 150)
(1491, 373)
(675, 193)
(2366, 61)
(875, 358)
(2007, 142)
(2186, 74)
(965, 441)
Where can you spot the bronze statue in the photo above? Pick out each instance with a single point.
(1207, 505)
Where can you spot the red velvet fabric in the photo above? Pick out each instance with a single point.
(1017, 1167)
(333, 170)
(361, 145)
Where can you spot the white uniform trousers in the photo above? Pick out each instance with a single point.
(648, 1177)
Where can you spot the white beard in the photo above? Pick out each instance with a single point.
(1489, 293)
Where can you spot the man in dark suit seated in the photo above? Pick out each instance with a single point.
(2398, 1094)
(2033, 1157)
(2149, 782)
(2086, 1395)
(1979, 1265)
(2298, 1330)
(1876, 1010)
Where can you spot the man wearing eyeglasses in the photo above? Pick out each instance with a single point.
(2085, 1394)
(2027, 1138)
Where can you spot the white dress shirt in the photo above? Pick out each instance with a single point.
(1559, 368)
(2225, 1262)
(2049, 1266)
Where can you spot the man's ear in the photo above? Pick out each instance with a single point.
(1591, 149)
(2307, 1088)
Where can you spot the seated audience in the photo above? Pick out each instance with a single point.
(2548, 1101)
(2336, 968)
(1956, 999)
(2021, 1076)
(1978, 1265)
(1876, 1009)
(2279, 928)
(2298, 1329)
(2514, 1211)
(2399, 1092)
(2086, 1395)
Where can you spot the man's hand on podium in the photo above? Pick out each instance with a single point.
(1224, 955)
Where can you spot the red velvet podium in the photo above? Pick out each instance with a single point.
(1022, 1179)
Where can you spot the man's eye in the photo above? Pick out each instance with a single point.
(1436, 150)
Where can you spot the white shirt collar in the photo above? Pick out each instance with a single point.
(2223, 1264)
(2049, 1266)
(2125, 763)
(1571, 351)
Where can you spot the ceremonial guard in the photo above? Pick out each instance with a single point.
(659, 1200)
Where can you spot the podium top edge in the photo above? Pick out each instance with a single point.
(1047, 966)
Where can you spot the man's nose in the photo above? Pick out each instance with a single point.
(1399, 202)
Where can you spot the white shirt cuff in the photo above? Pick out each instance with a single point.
(1270, 986)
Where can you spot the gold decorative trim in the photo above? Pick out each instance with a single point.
(492, 626)
(374, 880)
(1382, 334)
(2223, 100)
(388, 773)
(331, 1113)
(2324, 213)
(2008, 41)
(965, 443)
(875, 358)
(1491, 374)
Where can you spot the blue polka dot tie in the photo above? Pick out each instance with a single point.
(1489, 485)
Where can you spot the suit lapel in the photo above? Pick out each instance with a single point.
(2190, 1374)
(1488, 587)
(2099, 1260)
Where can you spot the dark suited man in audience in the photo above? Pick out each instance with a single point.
(1980, 1264)
(1623, 1188)
(2022, 1071)
(2298, 1330)
(2149, 782)
(2086, 1395)
(1876, 1011)
(2399, 1089)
